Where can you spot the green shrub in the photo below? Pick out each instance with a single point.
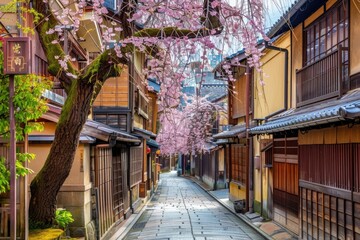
(63, 218)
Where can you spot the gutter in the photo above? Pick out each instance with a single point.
(286, 78)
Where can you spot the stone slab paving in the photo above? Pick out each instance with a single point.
(182, 210)
(270, 228)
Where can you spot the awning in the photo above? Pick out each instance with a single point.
(235, 131)
(144, 133)
(154, 85)
(210, 146)
(104, 132)
(346, 108)
(152, 143)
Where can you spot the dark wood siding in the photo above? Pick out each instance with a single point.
(209, 164)
(103, 184)
(239, 158)
(136, 165)
(286, 182)
(119, 182)
(115, 92)
(329, 185)
(198, 164)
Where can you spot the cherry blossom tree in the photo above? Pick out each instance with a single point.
(164, 30)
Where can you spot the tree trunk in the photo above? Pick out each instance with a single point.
(47, 183)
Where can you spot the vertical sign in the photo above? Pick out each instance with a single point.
(16, 61)
(16, 55)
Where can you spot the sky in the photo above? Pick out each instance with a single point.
(274, 10)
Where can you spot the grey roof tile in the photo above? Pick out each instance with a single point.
(348, 107)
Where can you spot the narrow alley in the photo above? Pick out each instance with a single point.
(180, 209)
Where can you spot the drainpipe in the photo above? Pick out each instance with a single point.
(250, 172)
(286, 77)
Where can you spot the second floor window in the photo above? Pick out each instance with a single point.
(141, 104)
(328, 33)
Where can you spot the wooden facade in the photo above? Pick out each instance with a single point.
(109, 173)
(238, 161)
(329, 181)
(286, 182)
(312, 168)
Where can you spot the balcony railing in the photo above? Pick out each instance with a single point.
(326, 78)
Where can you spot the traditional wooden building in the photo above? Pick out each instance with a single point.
(237, 147)
(312, 156)
(96, 191)
(124, 103)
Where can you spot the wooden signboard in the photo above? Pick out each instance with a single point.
(16, 55)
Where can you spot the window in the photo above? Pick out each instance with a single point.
(136, 165)
(238, 163)
(113, 120)
(267, 150)
(141, 103)
(325, 35)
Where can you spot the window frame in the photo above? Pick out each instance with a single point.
(313, 33)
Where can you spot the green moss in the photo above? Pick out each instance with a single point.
(257, 206)
(53, 50)
(69, 103)
(45, 234)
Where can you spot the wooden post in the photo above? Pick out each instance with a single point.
(16, 62)
(12, 159)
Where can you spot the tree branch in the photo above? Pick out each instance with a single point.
(52, 50)
(209, 21)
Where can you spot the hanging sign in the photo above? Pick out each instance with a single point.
(16, 55)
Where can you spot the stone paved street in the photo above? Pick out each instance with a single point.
(180, 209)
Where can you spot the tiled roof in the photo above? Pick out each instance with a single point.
(103, 131)
(232, 132)
(213, 91)
(50, 138)
(143, 132)
(348, 107)
(297, 13)
(208, 146)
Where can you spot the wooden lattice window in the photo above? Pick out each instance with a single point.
(103, 183)
(142, 104)
(136, 165)
(119, 174)
(239, 159)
